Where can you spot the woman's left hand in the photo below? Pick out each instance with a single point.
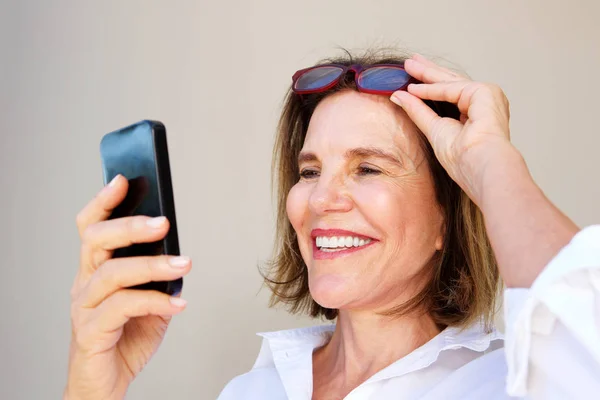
(463, 147)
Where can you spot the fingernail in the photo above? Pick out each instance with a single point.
(179, 262)
(178, 301)
(156, 222)
(396, 99)
(114, 180)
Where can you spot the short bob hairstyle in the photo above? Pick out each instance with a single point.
(463, 280)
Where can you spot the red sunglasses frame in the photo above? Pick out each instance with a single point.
(358, 70)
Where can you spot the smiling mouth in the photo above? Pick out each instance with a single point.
(334, 244)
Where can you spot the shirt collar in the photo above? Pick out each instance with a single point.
(280, 346)
(290, 352)
(474, 337)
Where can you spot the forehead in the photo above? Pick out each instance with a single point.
(351, 119)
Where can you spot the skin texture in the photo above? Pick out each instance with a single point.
(393, 202)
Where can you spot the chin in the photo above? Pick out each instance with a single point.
(330, 291)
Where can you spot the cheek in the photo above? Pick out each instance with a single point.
(296, 205)
(401, 212)
(380, 203)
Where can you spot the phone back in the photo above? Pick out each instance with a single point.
(139, 152)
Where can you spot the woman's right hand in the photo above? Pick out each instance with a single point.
(115, 330)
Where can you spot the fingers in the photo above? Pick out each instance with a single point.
(464, 94)
(110, 316)
(459, 92)
(125, 304)
(100, 239)
(119, 273)
(429, 72)
(422, 115)
(101, 206)
(123, 232)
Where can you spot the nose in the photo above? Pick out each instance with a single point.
(329, 195)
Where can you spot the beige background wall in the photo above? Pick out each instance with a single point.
(215, 72)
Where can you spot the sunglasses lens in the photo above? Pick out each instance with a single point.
(318, 78)
(383, 78)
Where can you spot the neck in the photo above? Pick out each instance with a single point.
(364, 343)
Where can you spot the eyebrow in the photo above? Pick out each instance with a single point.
(359, 152)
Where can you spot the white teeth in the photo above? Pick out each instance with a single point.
(334, 242)
(348, 241)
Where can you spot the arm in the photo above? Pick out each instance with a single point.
(525, 229)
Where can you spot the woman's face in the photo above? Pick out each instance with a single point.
(364, 208)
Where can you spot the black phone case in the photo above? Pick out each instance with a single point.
(139, 152)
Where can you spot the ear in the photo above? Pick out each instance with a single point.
(439, 243)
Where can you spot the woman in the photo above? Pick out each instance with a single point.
(379, 227)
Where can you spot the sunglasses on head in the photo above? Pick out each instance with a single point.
(375, 79)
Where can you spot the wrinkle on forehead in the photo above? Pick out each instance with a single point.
(377, 114)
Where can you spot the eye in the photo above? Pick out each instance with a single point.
(309, 173)
(367, 170)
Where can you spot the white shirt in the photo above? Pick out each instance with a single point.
(551, 350)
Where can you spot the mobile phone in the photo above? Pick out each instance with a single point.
(139, 152)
